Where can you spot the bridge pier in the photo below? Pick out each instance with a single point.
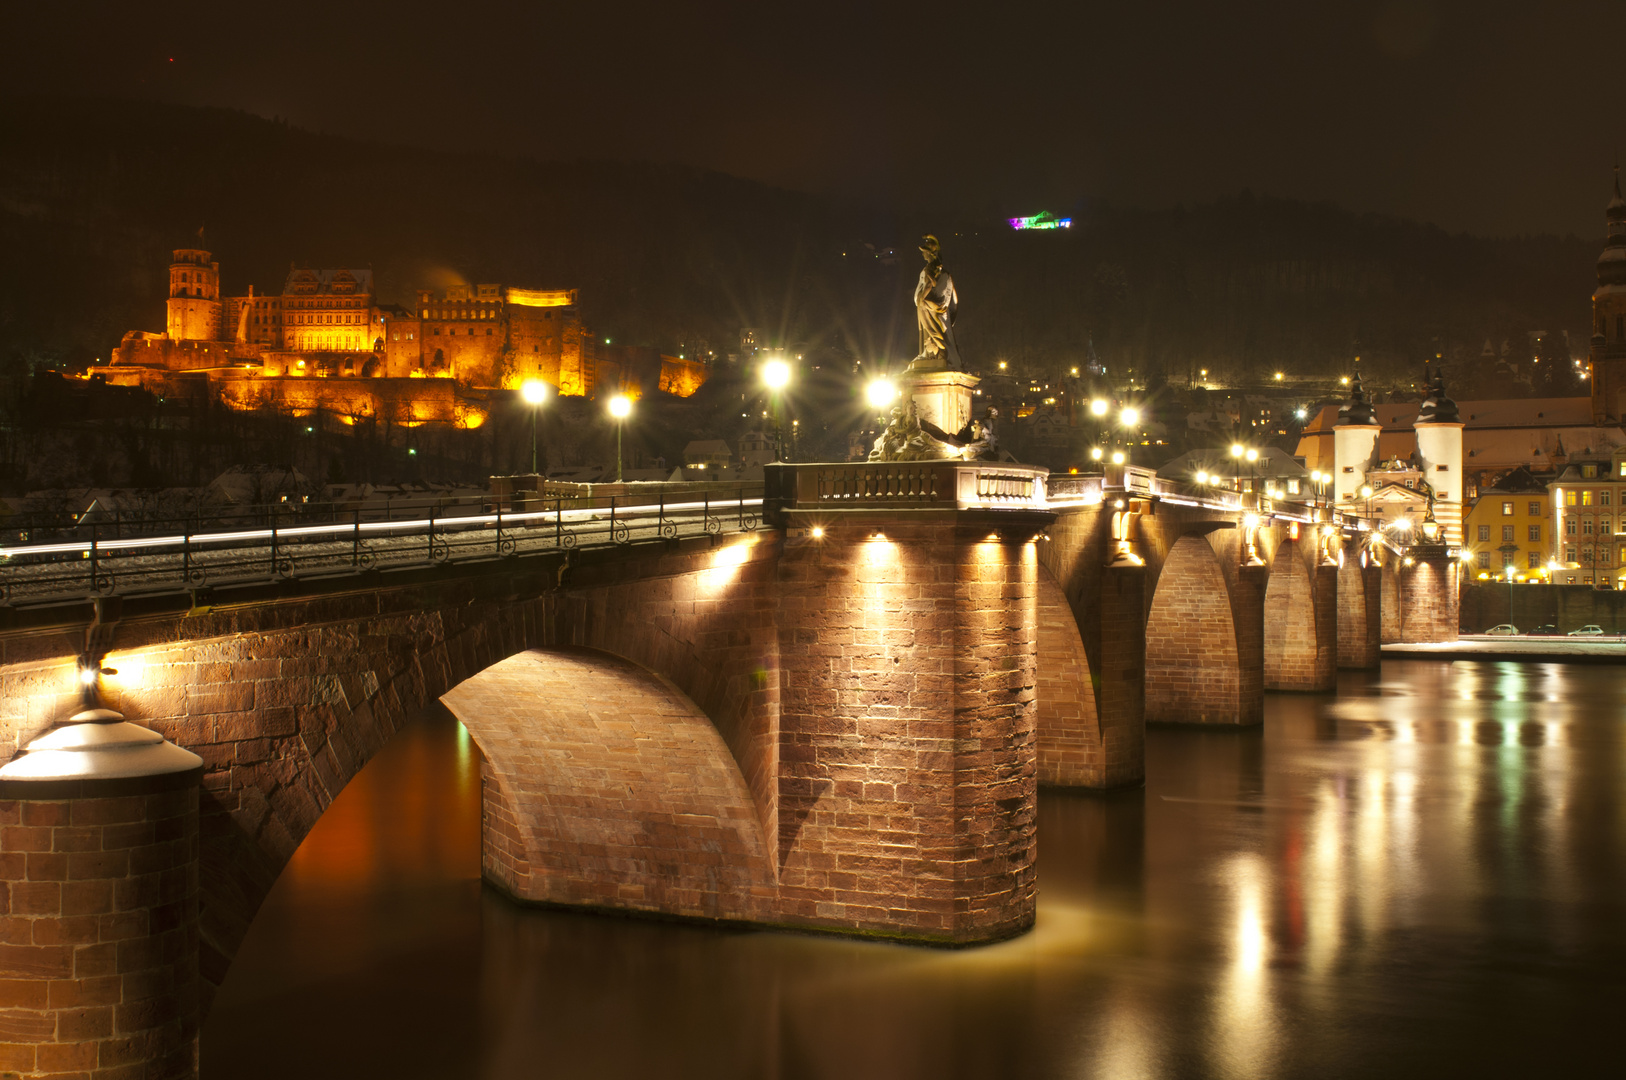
(99, 870)
(1426, 581)
(1360, 583)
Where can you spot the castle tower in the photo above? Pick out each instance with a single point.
(1606, 361)
(1354, 439)
(1439, 455)
(194, 297)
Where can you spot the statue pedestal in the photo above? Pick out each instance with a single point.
(943, 397)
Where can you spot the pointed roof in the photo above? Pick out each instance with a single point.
(1357, 410)
(1612, 262)
(1437, 408)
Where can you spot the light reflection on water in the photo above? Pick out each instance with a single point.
(1422, 876)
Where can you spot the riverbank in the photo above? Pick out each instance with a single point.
(1566, 650)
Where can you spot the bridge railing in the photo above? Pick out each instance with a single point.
(863, 485)
(99, 558)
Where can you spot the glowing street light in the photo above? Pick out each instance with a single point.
(1095, 453)
(1117, 457)
(1202, 476)
(881, 393)
(1098, 407)
(776, 376)
(1130, 416)
(533, 392)
(1278, 376)
(620, 408)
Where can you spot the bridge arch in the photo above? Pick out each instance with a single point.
(1193, 668)
(604, 785)
(286, 698)
(1300, 620)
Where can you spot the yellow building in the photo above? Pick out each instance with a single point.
(1587, 498)
(1509, 528)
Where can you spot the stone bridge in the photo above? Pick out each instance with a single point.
(838, 722)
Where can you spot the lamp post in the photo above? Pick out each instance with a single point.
(1508, 551)
(1129, 418)
(534, 392)
(620, 408)
(775, 376)
(1098, 409)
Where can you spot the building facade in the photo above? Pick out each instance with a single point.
(326, 342)
(1589, 537)
(1508, 531)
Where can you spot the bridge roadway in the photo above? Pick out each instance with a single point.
(835, 722)
(135, 558)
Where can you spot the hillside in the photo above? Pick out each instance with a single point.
(94, 194)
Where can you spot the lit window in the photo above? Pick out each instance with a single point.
(1569, 498)
(1507, 509)
(1589, 471)
(1586, 498)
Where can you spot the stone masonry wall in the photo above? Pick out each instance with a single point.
(1108, 607)
(605, 786)
(1191, 662)
(1072, 750)
(1358, 613)
(285, 700)
(1428, 600)
(908, 787)
(99, 931)
(1290, 624)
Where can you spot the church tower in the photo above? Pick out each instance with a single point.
(1606, 360)
(194, 297)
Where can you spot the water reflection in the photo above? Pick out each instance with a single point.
(1420, 876)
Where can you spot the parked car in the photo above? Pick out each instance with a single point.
(1589, 630)
(1507, 629)
(1548, 630)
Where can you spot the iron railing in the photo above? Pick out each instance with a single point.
(43, 561)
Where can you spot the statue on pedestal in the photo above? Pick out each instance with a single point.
(935, 307)
(934, 421)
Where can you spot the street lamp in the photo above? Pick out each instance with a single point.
(776, 376)
(534, 392)
(881, 393)
(620, 408)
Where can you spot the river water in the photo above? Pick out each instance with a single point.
(1422, 875)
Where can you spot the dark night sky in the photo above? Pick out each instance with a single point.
(1493, 118)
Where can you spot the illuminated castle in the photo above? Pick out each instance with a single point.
(326, 343)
